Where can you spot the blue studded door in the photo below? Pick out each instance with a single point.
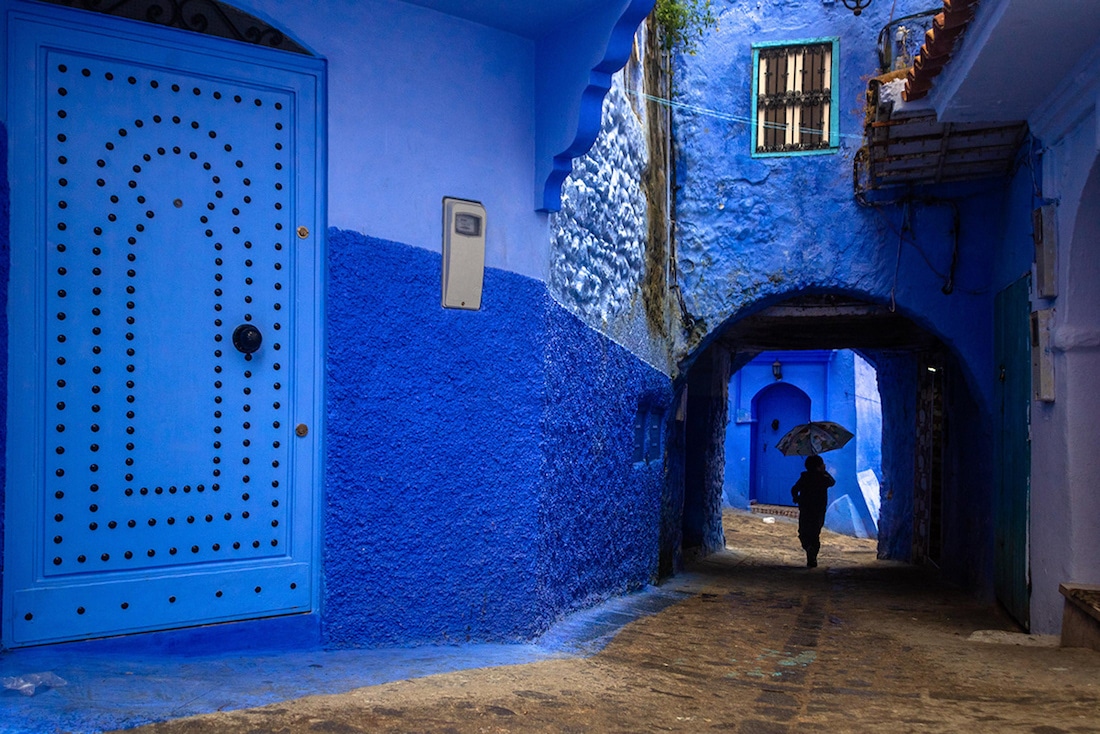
(163, 401)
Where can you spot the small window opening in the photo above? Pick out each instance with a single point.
(647, 437)
(794, 91)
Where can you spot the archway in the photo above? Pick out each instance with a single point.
(841, 387)
(936, 489)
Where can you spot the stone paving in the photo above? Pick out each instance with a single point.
(756, 644)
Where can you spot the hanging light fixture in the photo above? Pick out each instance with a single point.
(777, 370)
(856, 6)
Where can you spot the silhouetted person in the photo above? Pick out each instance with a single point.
(811, 494)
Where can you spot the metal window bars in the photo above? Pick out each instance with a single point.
(794, 98)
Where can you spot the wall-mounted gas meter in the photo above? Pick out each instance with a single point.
(463, 253)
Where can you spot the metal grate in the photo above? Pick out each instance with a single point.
(794, 98)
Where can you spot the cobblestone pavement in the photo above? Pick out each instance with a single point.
(759, 644)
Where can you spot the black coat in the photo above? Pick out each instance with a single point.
(811, 491)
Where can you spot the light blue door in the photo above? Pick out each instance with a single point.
(164, 402)
(776, 409)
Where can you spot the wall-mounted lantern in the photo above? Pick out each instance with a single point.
(777, 370)
(856, 6)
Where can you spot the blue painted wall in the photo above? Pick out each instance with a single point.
(807, 371)
(425, 105)
(706, 413)
(751, 231)
(5, 264)
(599, 511)
(479, 476)
(899, 406)
(868, 418)
(432, 477)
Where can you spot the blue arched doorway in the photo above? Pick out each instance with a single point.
(775, 410)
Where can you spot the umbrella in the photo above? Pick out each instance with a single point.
(815, 437)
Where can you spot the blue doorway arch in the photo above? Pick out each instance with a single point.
(775, 410)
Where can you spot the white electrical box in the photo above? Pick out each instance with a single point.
(1042, 359)
(463, 253)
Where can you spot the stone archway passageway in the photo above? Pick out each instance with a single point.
(936, 496)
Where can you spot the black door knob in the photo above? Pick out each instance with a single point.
(247, 338)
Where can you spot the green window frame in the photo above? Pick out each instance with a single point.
(794, 100)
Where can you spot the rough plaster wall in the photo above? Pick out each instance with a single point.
(599, 512)
(479, 476)
(672, 500)
(5, 260)
(597, 251)
(598, 239)
(431, 512)
(705, 459)
(968, 537)
(750, 227)
(752, 230)
(898, 410)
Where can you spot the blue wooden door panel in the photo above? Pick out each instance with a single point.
(779, 408)
(155, 475)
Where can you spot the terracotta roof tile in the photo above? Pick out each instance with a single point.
(939, 44)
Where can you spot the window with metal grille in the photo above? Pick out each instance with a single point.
(794, 98)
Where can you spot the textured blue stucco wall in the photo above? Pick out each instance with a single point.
(598, 239)
(753, 230)
(431, 508)
(899, 406)
(479, 476)
(707, 413)
(5, 263)
(600, 513)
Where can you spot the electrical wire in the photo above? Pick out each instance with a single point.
(897, 261)
(728, 117)
(948, 278)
